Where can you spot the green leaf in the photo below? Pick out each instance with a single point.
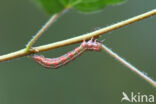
(51, 6)
(54, 6)
(94, 5)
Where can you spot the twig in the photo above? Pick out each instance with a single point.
(43, 29)
(76, 39)
(128, 65)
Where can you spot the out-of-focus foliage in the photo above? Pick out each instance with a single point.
(54, 6)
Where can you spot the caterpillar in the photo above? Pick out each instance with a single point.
(91, 45)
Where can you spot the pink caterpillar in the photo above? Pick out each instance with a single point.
(91, 45)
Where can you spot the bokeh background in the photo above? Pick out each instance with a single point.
(93, 78)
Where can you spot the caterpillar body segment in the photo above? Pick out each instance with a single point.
(91, 45)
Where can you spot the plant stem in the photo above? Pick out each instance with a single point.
(128, 65)
(43, 29)
(77, 39)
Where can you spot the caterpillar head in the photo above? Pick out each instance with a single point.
(94, 45)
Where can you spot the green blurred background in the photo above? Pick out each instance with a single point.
(93, 78)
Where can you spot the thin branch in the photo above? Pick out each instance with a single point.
(43, 29)
(128, 65)
(76, 39)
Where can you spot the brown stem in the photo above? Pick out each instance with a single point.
(43, 29)
(130, 66)
(87, 36)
